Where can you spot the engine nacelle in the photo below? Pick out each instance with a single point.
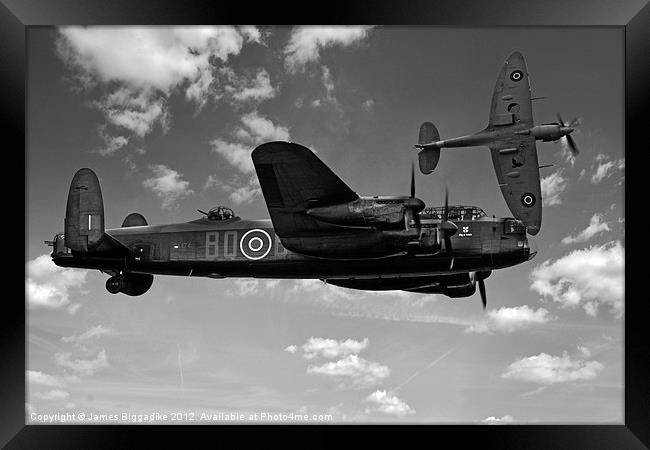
(385, 212)
(132, 284)
(547, 132)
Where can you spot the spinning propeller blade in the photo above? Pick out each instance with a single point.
(569, 129)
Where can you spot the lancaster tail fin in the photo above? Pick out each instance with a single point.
(84, 212)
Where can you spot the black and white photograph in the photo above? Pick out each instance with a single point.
(332, 224)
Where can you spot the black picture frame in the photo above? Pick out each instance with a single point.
(633, 16)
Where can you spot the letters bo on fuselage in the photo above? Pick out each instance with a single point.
(247, 244)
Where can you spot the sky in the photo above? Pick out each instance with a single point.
(167, 118)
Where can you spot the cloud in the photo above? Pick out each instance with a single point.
(91, 333)
(291, 349)
(252, 89)
(358, 371)
(589, 277)
(388, 404)
(492, 420)
(238, 155)
(240, 190)
(546, 369)
(258, 129)
(552, 186)
(368, 105)
(606, 168)
(111, 143)
(328, 83)
(43, 379)
(55, 394)
(82, 367)
(306, 42)
(167, 185)
(595, 227)
(137, 69)
(48, 285)
(254, 129)
(331, 348)
(507, 320)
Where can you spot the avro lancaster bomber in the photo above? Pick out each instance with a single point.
(319, 228)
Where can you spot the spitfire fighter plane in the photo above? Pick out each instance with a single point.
(319, 228)
(510, 135)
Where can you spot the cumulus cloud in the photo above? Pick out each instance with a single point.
(507, 320)
(596, 226)
(82, 367)
(306, 42)
(167, 185)
(253, 130)
(35, 377)
(89, 334)
(49, 285)
(357, 371)
(552, 187)
(291, 349)
(137, 69)
(547, 369)
(492, 420)
(589, 277)
(387, 403)
(606, 168)
(331, 348)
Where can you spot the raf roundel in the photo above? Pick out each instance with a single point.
(516, 75)
(255, 244)
(528, 200)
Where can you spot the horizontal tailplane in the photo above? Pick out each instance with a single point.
(428, 157)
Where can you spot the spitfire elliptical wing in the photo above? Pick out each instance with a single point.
(515, 156)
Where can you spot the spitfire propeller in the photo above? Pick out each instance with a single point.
(566, 131)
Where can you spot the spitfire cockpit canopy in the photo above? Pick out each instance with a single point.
(456, 212)
(219, 213)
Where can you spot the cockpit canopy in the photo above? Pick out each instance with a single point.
(456, 212)
(220, 213)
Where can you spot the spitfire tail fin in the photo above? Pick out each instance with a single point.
(84, 213)
(428, 157)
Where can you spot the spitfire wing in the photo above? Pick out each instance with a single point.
(293, 180)
(511, 104)
(516, 167)
(515, 156)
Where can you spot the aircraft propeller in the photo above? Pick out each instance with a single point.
(478, 277)
(566, 133)
(447, 228)
(413, 205)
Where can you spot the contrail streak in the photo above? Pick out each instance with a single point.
(180, 367)
(418, 372)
